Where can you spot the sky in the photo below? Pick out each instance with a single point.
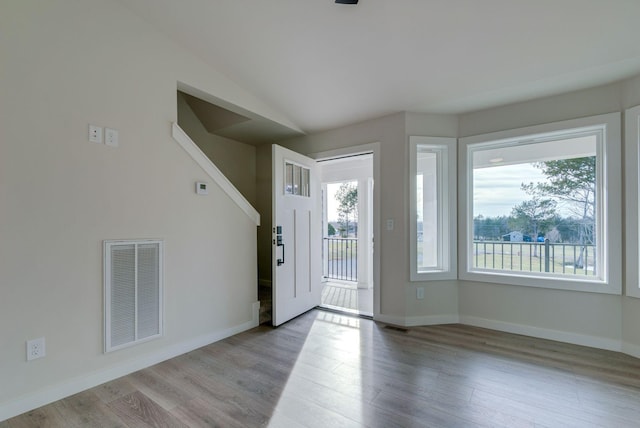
(497, 189)
(332, 204)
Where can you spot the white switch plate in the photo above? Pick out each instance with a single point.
(420, 293)
(111, 137)
(390, 224)
(36, 348)
(95, 134)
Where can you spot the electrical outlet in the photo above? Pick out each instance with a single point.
(95, 134)
(35, 348)
(420, 293)
(111, 137)
(390, 224)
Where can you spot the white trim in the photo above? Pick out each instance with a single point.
(543, 333)
(445, 149)
(632, 209)
(205, 163)
(419, 320)
(432, 320)
(609, 221)
(391, 319)
(81, 383)
(362, 149)
(631, 349)
(373, 148)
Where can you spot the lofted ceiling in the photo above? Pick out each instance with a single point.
(324, 65)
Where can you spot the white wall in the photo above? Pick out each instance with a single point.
(397, 294)
(606, 321)
(631, 306)
(64, 67)
(440, 304)
(587, 318)
(235, 159)
(65, 64)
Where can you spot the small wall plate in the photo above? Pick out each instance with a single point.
(202, 188)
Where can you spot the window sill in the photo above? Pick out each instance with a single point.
(543, 281)
(433, 275)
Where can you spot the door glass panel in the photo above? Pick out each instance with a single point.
(288, 180)
(304, 182)
(297, 181)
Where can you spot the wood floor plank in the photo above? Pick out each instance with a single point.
(138, 410)
(110, 391)
(87, 410)
(201, 413)
(43, 417)
(326, 370)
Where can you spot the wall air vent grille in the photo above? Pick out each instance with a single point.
(133, 292)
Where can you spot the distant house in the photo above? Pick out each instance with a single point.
(516, 237)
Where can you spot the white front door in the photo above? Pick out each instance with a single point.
(296, 234)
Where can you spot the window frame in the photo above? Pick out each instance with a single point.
(609, 206)
(446, 148)
(632, 201)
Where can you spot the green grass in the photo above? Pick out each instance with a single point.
(338, 250)
(498, 256)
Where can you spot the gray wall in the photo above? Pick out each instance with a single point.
(235, 159)
(65, 65)
(607, 321)
(391, 133)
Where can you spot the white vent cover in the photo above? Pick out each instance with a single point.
(132, 292)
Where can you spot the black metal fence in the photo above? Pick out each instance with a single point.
(568, 259)
(341, 255)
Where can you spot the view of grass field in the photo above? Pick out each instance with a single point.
(531, 257)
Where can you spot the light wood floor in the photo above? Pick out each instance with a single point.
(328, 370)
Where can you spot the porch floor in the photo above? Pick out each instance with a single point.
(346, 296)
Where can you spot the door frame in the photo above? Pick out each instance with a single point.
(374, 149)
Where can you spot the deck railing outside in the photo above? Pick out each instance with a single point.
(568, 259)
(341, 255)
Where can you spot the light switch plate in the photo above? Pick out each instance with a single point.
(111, 137)
(95, 134)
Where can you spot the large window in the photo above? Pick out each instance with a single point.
(537, 206)
(433, 207)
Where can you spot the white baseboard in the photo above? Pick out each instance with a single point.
(390, 319)
(542, 333)
(64, 389)
(630, 349)
(432, 320)
(561, 336)
(417, 321)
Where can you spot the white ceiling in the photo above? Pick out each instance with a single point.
(324, 65)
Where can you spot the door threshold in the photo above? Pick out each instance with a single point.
(344, 311)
